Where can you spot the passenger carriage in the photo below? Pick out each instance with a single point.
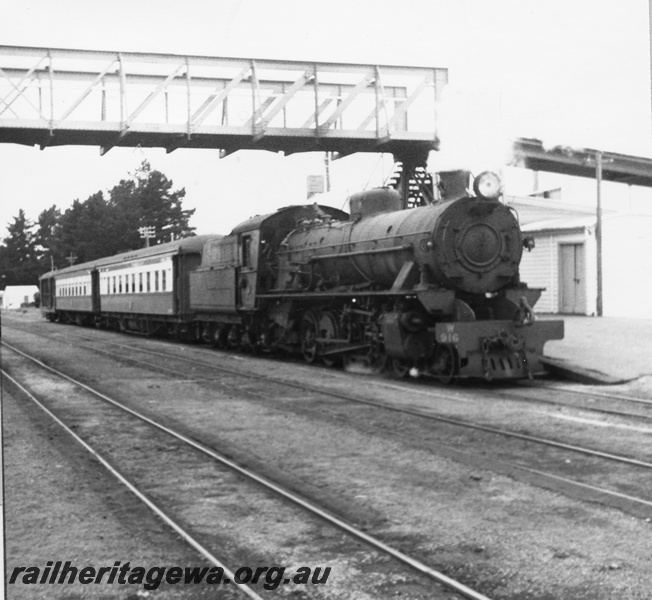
(143, 291)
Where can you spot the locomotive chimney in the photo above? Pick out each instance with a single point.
(453, 184)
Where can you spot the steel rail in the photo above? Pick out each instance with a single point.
(270, 485)
(557, 478)
(588, 393)
(187, 537)
(448, 420)
(504, 395)
(513, 395)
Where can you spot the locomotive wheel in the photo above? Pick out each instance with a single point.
(309, 349)
(329, 328)
(220, 338)
(444, 364)
(400, 367)
(378, 361)
(233, 338)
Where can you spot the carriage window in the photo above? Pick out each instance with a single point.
(120, 284)
(140, 282)
(148, 282)
(114, 288)
(133, 282)
(162, 281)
(156, 281)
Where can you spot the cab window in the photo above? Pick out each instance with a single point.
(246, 252)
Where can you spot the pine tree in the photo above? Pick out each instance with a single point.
(46, 238)
(147, 200)
(18, 258)
(96, 227)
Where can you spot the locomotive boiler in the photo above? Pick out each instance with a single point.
(472, 245)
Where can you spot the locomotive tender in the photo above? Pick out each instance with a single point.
(433, 289)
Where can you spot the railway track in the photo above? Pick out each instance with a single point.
(597, 402)
(74, 415)
(642, 504)
(357, 399)
(173, 524)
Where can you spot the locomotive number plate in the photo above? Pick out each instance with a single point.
(449, 336)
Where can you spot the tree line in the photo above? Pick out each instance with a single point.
(97, 227)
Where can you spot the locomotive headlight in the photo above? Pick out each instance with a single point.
(487, 185)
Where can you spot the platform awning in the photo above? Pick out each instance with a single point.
(581, 162)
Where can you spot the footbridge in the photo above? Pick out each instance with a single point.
(52, 97)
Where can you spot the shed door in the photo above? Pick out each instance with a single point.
(572, 274)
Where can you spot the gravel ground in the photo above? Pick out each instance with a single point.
(60, 506)
(508, 538)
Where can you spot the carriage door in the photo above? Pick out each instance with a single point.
(248, 270)
(47, 293)
(572, 275)
(95, 291)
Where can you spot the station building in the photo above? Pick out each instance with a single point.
(564, 259)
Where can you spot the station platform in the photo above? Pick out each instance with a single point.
(601, 350)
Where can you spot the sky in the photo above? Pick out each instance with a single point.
(572, 72)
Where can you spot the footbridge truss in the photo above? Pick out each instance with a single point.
(51, 97)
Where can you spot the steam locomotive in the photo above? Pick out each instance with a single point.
(433, 290)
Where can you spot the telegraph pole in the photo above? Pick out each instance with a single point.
(598, 229)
